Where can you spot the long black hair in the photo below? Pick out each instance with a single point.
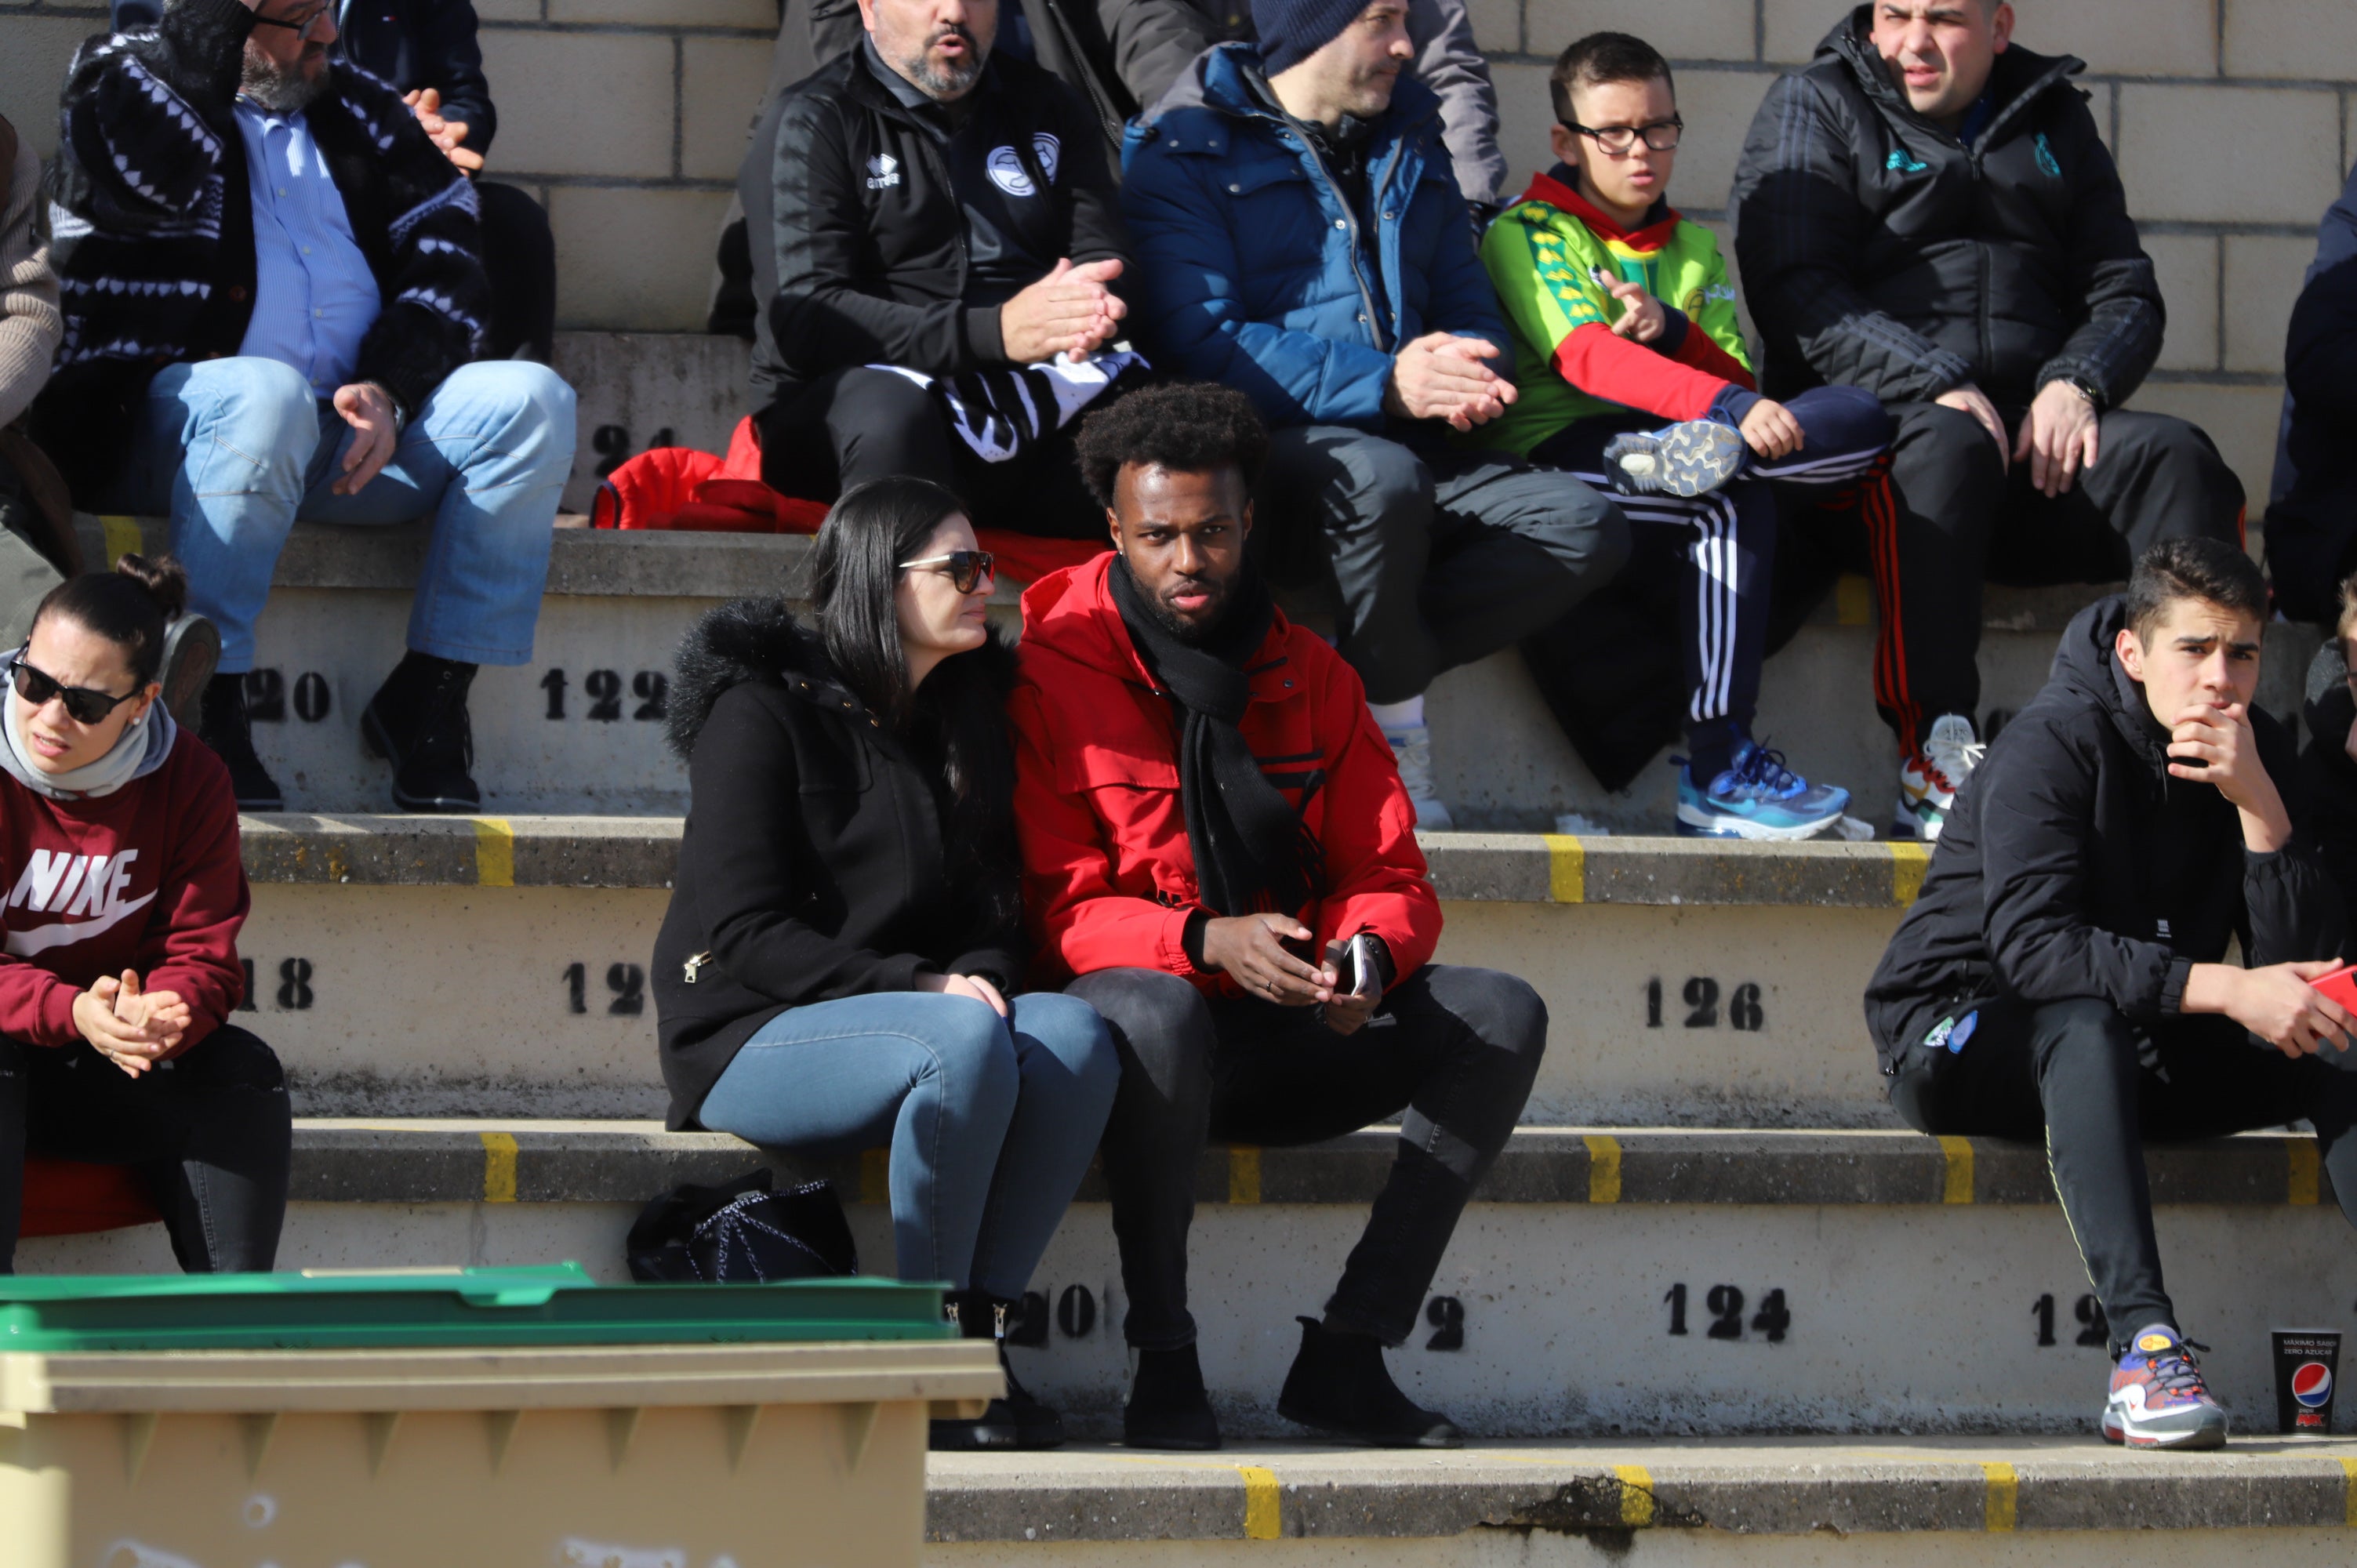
(959, 714)
(129, 607)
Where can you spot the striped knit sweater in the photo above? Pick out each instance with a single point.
(153, 222)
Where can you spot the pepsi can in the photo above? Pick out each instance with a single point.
(2308, 1364)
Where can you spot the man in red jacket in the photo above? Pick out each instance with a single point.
(1216, 844)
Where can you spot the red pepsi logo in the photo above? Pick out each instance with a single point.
(2312, 1385)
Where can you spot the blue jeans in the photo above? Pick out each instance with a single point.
(991, 1122)
(237, 450)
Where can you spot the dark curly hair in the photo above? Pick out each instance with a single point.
(1189, 427)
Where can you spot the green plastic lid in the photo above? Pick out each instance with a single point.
(542, 1305)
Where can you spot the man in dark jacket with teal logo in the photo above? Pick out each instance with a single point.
(2062, 976)
(1301, 239)
(1927, 211)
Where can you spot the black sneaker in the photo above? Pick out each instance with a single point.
(1168, 1407)
(224, 726)
(418, 721)
(1340, 1386)
(191, 650)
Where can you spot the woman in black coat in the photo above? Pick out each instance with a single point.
(845, 928)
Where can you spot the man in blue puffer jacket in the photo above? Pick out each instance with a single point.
(1300, 236)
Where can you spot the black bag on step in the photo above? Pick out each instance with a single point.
(743, 1232)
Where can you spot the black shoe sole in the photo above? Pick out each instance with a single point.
(1452, 1438)
(972, 1437)
(191, 651)
(1170, 1442)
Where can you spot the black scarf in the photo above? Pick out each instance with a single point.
(1246, 841)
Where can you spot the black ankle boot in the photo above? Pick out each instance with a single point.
(1340, 1386)
(996, 1428)
(1035, 1426)
(1168, 1407)
(418, 721)
(224, 726)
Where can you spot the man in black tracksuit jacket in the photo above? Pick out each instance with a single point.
(900, 219)
(2060, 974)
(1969, 266)
(2312, 511)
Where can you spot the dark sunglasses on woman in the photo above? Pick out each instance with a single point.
(966, 568)
(84, 704)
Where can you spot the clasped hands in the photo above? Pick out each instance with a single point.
(130, 1026)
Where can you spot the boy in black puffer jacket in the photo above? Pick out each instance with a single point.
(2061, 976)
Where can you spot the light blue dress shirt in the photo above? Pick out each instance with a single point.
(314, 296)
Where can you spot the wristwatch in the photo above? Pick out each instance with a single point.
(2088, 390)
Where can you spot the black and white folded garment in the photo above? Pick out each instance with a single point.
(1000, 413)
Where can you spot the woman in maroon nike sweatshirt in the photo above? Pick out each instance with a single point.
(118, 939)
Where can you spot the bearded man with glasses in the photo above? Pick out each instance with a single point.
(274, 291)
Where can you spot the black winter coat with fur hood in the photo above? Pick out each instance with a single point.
(814, 865)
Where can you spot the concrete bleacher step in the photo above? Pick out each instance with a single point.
(497, 966)
(574, 729)
(1896, 1502)
(1886, 1281)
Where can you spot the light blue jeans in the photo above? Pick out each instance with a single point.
(237, 450)
(991, 1123)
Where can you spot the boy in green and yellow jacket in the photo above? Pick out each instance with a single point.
(1657, 402)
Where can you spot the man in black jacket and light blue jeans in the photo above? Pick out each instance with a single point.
(2061, 976)
(1926, 211)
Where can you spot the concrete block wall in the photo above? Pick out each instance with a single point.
(2233, 122)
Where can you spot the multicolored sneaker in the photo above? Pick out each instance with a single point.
(2158, 1399)
(1691, 458)
(1927, 782)
(1757, 797)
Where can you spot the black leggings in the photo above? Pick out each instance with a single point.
(2093, 1087)
(1457, 1049)
(210, 1133)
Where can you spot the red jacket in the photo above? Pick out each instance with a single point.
(1108, 878)
(148, 879)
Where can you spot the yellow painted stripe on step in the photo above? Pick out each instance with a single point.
(494, 852)
(1958, 1184)
(875, 1175)
(2003, 1490)
(2349, 1478)
(1853, 600)
(498, 1168)
(2300, 1154)
(1567, 869)
(1261, 1518)
(1244, 1174)
(122, 537)
(1909, 862)
(1636, 1495)
(1603, 1167)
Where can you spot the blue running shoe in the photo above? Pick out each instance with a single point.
(1758, 798)
(1688, 459)
(2158, 1400)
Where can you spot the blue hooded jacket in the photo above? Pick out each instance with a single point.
(1251, 270)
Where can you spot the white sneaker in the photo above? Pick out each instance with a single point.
(1412, 749)
(1927, 782)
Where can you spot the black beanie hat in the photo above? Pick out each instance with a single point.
(1292, 30)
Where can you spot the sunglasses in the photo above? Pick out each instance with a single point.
(84, 704)
(967, 569)
(301, 25)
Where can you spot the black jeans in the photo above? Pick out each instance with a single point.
(1458, 1052)
(2093, 1087)
(1960, 516)
(210, 1132)
(856, 425)
(1439, 557)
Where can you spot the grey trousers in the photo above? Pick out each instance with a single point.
(1439, 557)
(26, 576)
